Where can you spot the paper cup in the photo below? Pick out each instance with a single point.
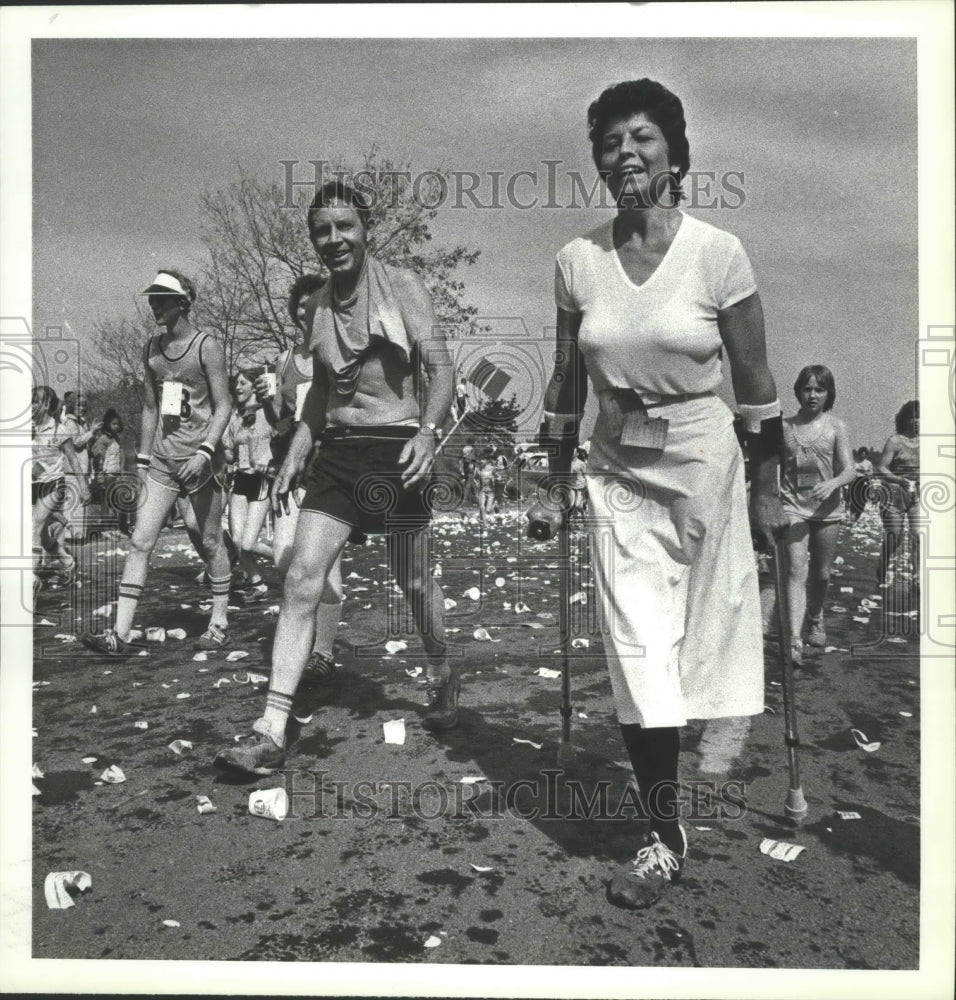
(270, 803)
(157, 634)
(394, 731)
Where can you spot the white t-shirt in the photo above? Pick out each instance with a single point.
(48, 462)
(662, 336)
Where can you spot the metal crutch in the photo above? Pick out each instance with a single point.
(566, 749)
(795, 805)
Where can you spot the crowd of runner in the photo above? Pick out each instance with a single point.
(336, 438)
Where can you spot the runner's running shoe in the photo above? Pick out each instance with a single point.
(319, 668)
(109, 644)
(215, 637)
(816, 633)
(258, 754)
(255, 592)
(642, 882)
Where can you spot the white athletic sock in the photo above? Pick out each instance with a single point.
(276, 715)
(129, 595)
(219, 615)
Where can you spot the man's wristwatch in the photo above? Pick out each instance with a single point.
(434, 428)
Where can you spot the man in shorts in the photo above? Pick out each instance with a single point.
(382, 385)
(186, 407)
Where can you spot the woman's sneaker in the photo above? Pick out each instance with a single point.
(644, 880)
(816, 633)
(215, 637)
(109, 643)
(442, 711)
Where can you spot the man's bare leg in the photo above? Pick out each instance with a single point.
(410, 561)
(318, 541)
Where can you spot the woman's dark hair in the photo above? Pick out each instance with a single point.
(653, 99)
(302, 288)
(339, 190)
(908, 412)
(824, 377)
(110, 416)
(43, 395)
(249, 374)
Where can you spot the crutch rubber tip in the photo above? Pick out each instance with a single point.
(796, 806)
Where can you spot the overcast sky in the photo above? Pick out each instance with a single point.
(127, 133)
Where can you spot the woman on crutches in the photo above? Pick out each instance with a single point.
(648, 304)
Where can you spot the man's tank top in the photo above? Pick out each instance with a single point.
(185, 402)
(808, 461)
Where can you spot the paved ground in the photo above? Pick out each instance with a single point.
(495, 871)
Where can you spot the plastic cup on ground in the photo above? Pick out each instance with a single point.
(269, 803)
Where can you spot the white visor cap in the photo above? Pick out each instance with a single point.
(166, 284)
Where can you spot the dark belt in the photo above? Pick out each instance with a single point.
(396, 432)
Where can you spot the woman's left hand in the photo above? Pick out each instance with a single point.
(263, 388)
(767, 519)
(821, 491)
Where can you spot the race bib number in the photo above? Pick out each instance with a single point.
(171, 399)
(808, 474)
(244, 462)
(301, 391)
(641, 431)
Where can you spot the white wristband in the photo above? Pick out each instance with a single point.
(753, 416)
(561, 424)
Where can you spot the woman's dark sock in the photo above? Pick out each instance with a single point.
(654, 755)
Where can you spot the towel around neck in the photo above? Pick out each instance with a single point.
(343, 332)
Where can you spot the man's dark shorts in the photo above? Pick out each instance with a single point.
(355, 478)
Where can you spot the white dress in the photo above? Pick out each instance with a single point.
(674, 563)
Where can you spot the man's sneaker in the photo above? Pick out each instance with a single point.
(258, 754)
(816, 633)
(796, 652)
(442, 711)
(215, 637)
(643, 881)
(109, 644)
(319, 668)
